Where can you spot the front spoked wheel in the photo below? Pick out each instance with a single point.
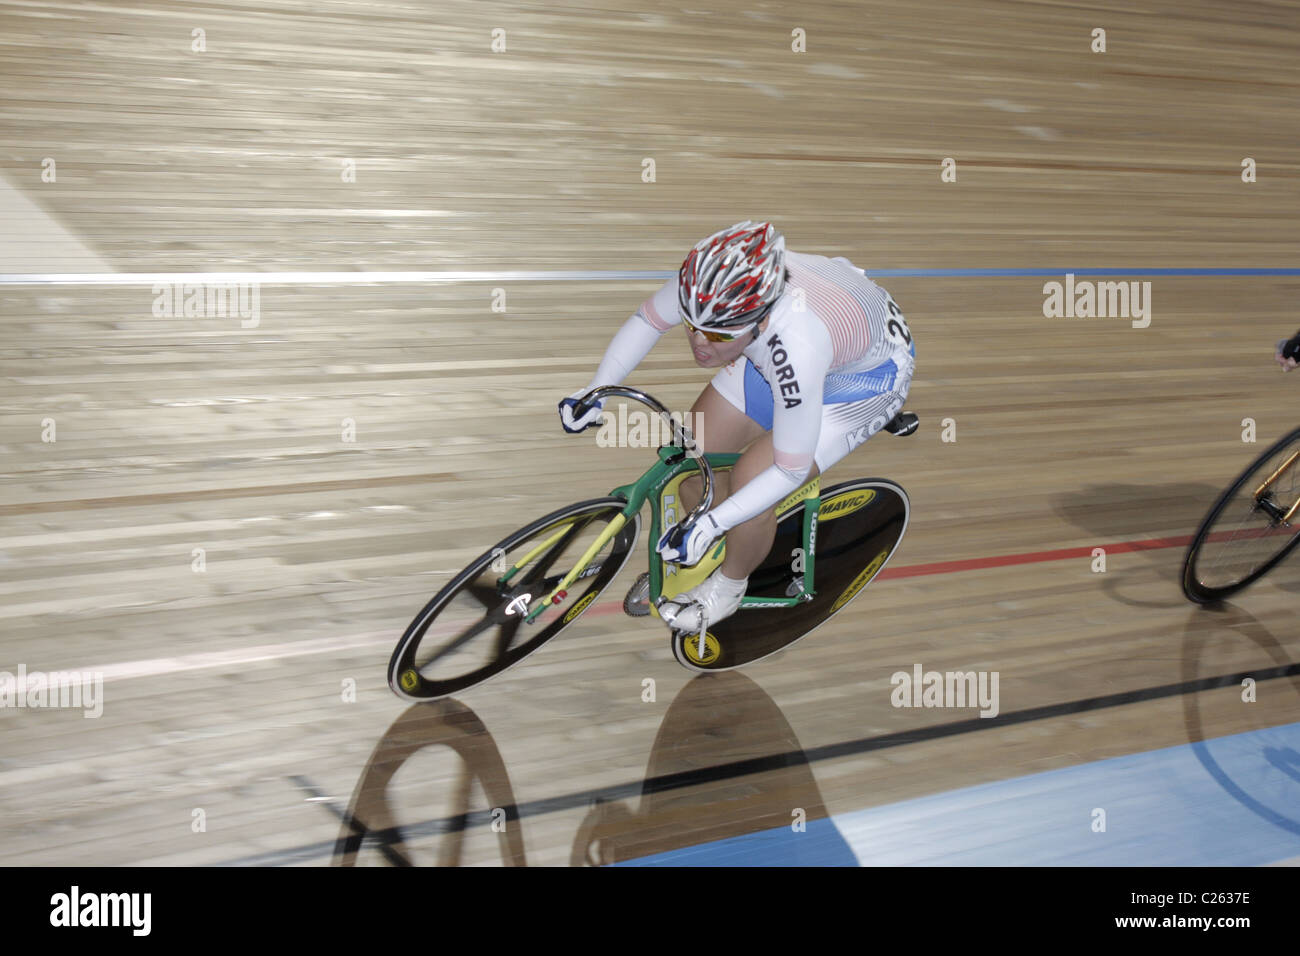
(1253, 526)
(481, 623)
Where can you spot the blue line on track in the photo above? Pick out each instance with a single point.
(578, 275)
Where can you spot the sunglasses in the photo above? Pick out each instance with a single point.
(713, 336)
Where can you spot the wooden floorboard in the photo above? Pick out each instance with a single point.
(224, 687)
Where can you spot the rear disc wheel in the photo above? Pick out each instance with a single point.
(860, 525)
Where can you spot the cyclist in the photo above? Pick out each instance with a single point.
(813, 358)
(1288, 353)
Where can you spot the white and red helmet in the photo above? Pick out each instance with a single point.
(733, 277)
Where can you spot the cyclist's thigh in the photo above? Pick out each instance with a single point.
(722, 425)
(727, 419)
(870, 400)
(846, 426)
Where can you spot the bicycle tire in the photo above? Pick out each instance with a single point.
(406, 674)
(1196, 564)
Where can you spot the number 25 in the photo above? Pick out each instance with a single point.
(898, 324)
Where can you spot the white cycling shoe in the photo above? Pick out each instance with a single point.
(720, 599)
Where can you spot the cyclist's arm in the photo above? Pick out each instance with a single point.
(638, 336)
(796, 427)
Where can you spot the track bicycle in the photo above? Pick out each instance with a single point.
(1251, 528)
(830, 543)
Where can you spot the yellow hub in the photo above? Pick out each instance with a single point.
(691, 648)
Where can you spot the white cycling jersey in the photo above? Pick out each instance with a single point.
(834, 337)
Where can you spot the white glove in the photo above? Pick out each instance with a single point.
(686, 545)
(591, 417)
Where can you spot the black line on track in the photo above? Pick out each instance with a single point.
(741, 768)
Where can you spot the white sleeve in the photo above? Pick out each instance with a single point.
(638, 336)
(797, 386)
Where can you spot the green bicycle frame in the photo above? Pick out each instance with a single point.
(672, 462)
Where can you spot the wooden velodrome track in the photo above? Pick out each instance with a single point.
(224, 687)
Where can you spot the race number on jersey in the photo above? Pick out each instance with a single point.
(898, 332)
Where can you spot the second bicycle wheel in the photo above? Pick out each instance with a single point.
(475, 627)
(1253, 526)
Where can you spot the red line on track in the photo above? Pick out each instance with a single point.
(1026, 557)
(1033, 557)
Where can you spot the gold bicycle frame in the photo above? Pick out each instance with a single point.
(1268, 483)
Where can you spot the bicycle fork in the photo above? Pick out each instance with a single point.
(557, 593)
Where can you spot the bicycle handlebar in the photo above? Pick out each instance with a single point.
(681, 434)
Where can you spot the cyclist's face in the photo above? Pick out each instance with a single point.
(717, 354)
